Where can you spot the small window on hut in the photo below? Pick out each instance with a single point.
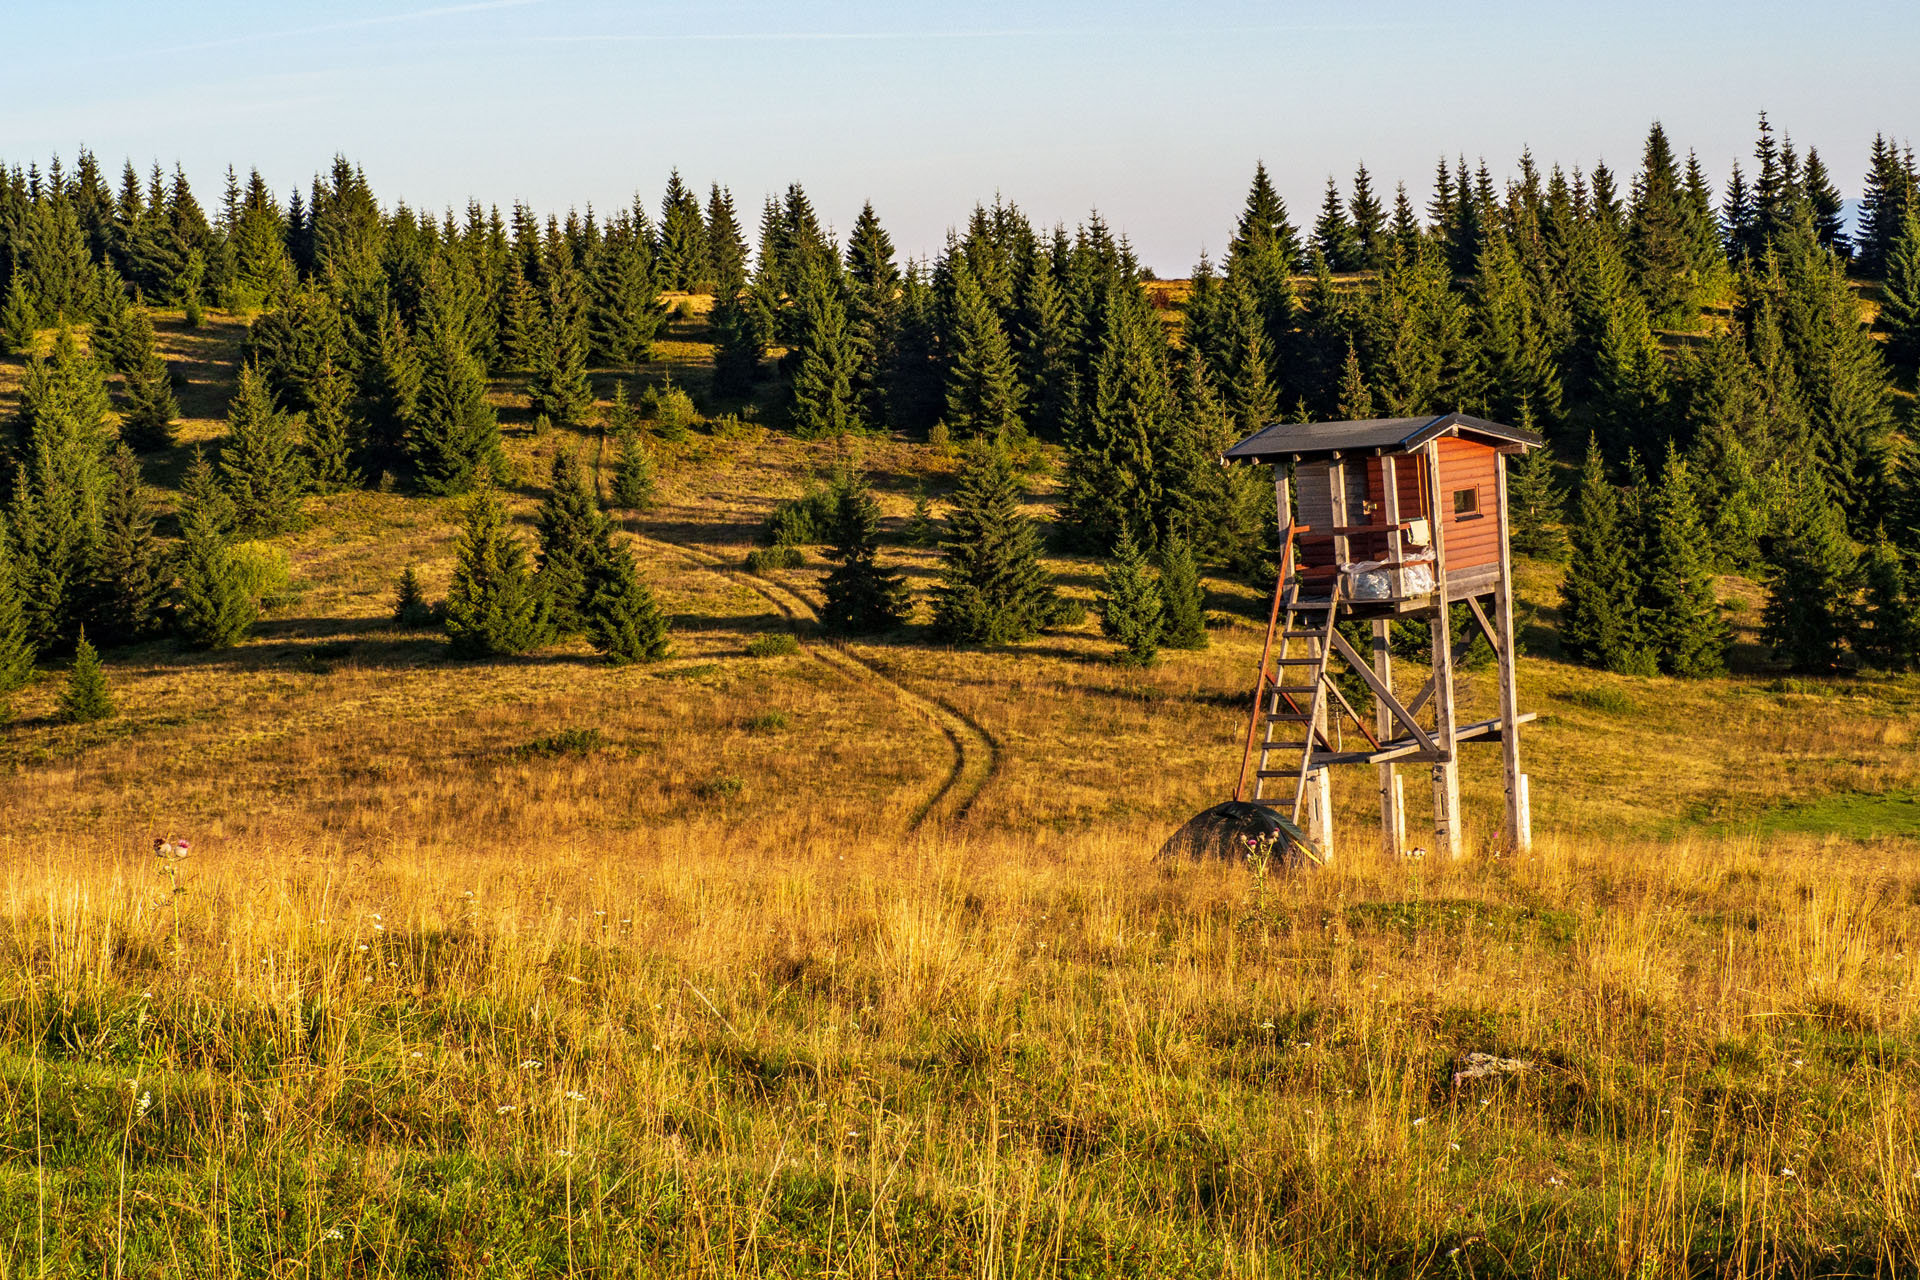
(1466, 502)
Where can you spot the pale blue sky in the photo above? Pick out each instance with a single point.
(1154, 113)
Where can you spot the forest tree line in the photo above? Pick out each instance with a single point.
(1705, 355)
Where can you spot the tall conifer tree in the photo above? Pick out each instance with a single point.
(823, 380)
(260, 463)
(993, 589)
(983, 387)
(129, 580)
(623, 621)
(1130, 606)
(1600, 596)
(861, 597)
(575, 539)
(493, 605)
(1683, 625)
(1182, 601)
(16, 642)
(211, 606)
(1810, 582)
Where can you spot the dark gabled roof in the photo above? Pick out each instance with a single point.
(1303, 440)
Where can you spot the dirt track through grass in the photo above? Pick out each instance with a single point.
(975, 757)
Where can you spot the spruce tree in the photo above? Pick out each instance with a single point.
(261, 463)
(726, 246)
(494, 606)
(1369, 221)
(1889, 195)
(737, 346)
(1113, 478)
(574, 540)
(827, 364)
(16, 643)
(627, 312)
(861, 597)
(1356, 402)
(333, 432)
(623, 621)
(411, 608)
(922, 530)
(1250, 395)
(520, 326)
(1682, 621)
(983, 388)
(559, 387)
(1536, 509)
(1264, 252)
(147, 424)
(1333, 236)
(1810, 582)
(1824, 204)
(86, 697)
(1182, 601)
(454, 442)
(1900, 306)
(683, 239)
(873, 309)
(993, 589)
(19, 325)
(1887, 632)
(1600, 595)
(129, 579)
(633, 464)
(211, 607)
(1130, 605)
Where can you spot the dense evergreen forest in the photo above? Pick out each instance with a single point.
(1724, 379)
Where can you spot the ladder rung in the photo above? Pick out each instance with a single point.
(1297, 662)
(1315, 634)
(1288, 717)
(1277, 773)
(1293, 688)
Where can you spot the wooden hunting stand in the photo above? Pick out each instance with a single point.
(1387, 518)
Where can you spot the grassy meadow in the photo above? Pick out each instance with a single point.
(854, 961)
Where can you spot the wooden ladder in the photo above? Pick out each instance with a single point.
(1296, 699)
(1297, 674)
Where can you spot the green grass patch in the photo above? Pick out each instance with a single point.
(567, 742)
(1446, 916)
(1608, 699)
(778, 645)
(761, 559)
(1847, 813)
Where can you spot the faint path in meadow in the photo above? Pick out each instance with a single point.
(975, 757)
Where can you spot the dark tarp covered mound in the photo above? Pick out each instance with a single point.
(1218, 833)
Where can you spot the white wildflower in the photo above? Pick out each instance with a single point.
(146, 1103)
(503, 1108)
(531, 1064)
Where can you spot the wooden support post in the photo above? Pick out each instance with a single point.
(1337, 477)
(1393, 818)
(1320, 812)
(1399, 815)
(1519, 833)
(1446, 771)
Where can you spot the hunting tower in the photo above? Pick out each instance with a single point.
(1385, 519)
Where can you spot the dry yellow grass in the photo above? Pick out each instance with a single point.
(782, 1027)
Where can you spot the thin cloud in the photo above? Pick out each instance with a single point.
(355, 24)
(1008, 33)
